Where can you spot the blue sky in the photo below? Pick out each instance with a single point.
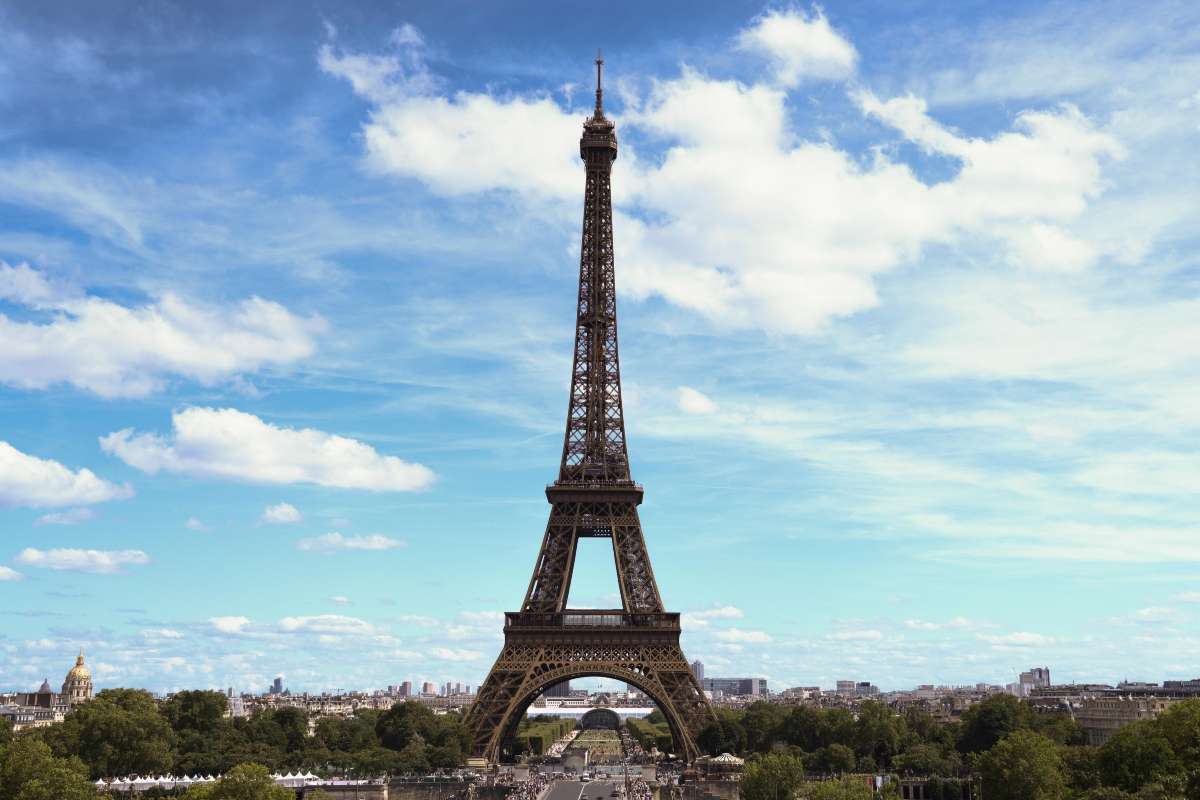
(908, 307)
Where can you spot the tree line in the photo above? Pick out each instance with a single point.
(1013, 751)
(124, 732)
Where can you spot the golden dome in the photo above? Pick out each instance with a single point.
(79, 671)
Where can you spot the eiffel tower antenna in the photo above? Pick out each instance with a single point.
(594, 497)
(599, 85)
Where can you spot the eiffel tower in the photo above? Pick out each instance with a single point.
(546, 642)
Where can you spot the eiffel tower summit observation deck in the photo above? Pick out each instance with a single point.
(595, 496)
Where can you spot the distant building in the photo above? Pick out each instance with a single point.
(44, 707)
(845, 687)
(560, 689)
(753, 687)
(1100, 717)
(428, 688)
(865, 689)
(698, 669)
(276, 685)
(77, 688)
(406, 689)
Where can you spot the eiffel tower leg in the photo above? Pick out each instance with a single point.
(649, 659)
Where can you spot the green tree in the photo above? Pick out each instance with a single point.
(1023, 766)
(29, 771)
(925, 758)
(201, 711)
(989, 721)
(837, 727)
(763, 723)
(802, 728)
(6, 731)
(834, 759)
(120, 732)
(243, 782)
(1180, 723)
(1105, 793)
(877, 732)
(774, 776)
(843, 789)
(293, 722)
(396, 726)
(1136, 754)
(726, 734)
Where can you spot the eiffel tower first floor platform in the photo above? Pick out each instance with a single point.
(542, 649)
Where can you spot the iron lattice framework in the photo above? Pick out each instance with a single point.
(594, 496)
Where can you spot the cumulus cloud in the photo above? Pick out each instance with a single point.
(194, 524)
(10, 574)
(229, 624)
(719, 612)
(718, 225)
(448, 654)
(692, 401)
(800, 46)
(336, 541)
(162, 633)
(740, 636)
(281, 514)
(923, 625)
(227, 443)
(327, 624)
(105, 562)
(1016, 639)
(114, 350)
(32, 482)
(869, 635)
(72, 516)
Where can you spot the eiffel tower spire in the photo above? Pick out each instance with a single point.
(594, 445)
(594, 497)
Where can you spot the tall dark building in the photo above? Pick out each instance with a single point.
(546, 643)
(559, 690)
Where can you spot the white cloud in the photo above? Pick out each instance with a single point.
(227, 443)
(692, 401)
(1153, 615)
(1186, 597)
(162, 633)
(194, 524)
(738, 635)
(447, 654)
(327, 624)
(857, 636)
(105, 562)
(117, 351)
(922, 625)
(483, 617)
(34, 482)
(72, 516)
(336, 541)
(10, 574)
(719, 612)
(717, 225)
(281, 514)
(1016, 639)
(229, 624)
(340, 600)
(800, 47)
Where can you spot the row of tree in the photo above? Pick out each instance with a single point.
(128, 732)
(1015, 752)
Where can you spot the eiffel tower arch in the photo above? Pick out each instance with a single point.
(594, 497)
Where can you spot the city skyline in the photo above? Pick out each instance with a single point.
(901, 322)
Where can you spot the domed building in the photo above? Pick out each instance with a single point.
(77, 688)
